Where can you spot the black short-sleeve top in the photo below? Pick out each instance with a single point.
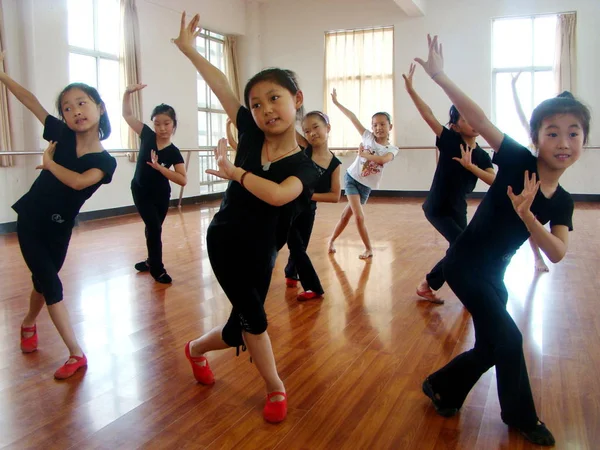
(48, 199)
(245, 215)
(147, 177)
(496, 232)
(325, 173)
(451, 181)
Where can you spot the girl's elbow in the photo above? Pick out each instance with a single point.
(555, 259)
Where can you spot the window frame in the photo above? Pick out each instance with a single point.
(361, 79)
(531, 69)
(209, 36)
(98, 57)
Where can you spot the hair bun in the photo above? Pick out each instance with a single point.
(566, 94)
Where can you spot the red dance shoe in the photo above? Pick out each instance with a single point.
(309, 295)
(275, 412)
(202, 374)
(30, 343)
(68, 369)
(291, 283)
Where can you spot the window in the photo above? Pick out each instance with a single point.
(94, 55)
(359, 64)
(526, 45)
(211, 115)
(212, 118)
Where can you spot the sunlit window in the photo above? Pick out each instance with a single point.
(94, 55)
(212, 118)
(525, 45)
(359, 64)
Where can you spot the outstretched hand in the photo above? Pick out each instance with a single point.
(225, 168)
(515, 78)
(435, 58)
(134, 88)
(465, 159)
(334, 98)
(187, 34)
(408, 80)
(48, 156)
(522, 202)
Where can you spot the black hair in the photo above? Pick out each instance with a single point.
(324, 118)
(382, 113)
(564, 103)
(454, 115)
(104, 124)
(166, 110)
(285, 78)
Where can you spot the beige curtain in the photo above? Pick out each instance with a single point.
(5, 127)
(565, 61)
(232, 71)
(359, 64)
(130, 67)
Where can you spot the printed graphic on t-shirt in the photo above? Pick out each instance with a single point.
(370, 167)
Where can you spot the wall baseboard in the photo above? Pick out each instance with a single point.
(11, 227)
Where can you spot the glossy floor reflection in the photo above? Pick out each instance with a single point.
(352, 364)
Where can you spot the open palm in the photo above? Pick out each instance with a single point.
(225, 168)
(522, 202)
(435, 58)
(187, 34)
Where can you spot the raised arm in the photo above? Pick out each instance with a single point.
(127, 111)
(232, 142)
(216, 80)
(434, 66)
(422, 107)
(518, 105)
(349, 114)
(28, 100)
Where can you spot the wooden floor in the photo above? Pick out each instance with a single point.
(352, 364)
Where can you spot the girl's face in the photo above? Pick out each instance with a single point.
(80, 112)
(315, 130)
(381, 127)
(163, 126)
(462, 127)
(273, 107)
(560, 141)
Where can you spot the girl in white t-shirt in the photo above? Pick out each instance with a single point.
(365, 173)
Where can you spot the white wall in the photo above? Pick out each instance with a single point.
(37, 57)
(292, 36)
(286, 33)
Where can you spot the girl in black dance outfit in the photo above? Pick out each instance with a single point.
(525, 195)
(269, 174)
(461, 163)
(73, 167)
(316, 129)
(150, 185)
